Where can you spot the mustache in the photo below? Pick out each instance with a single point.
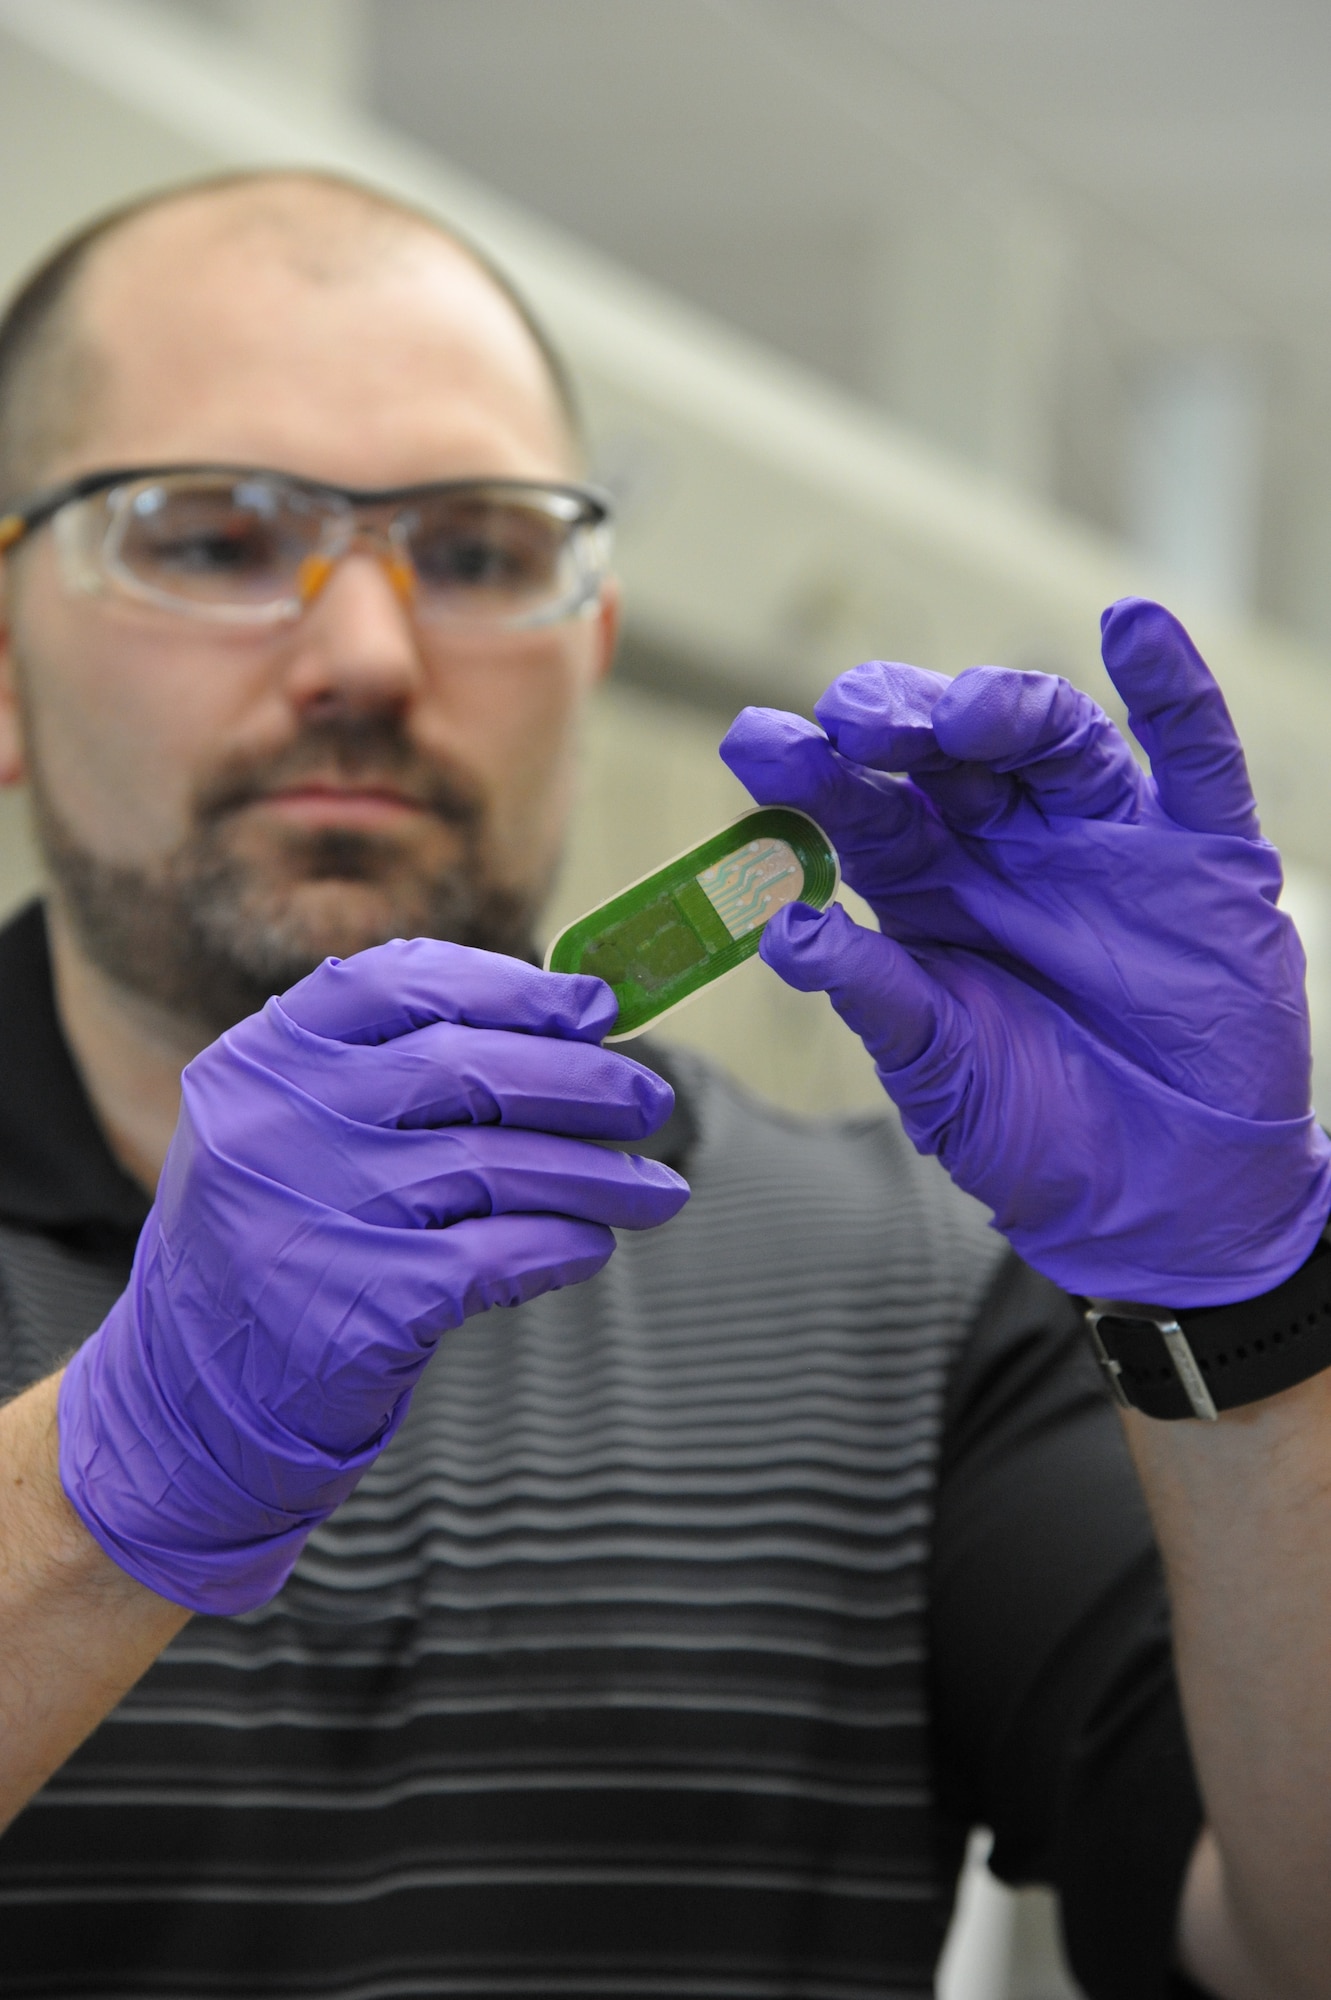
(353, 750)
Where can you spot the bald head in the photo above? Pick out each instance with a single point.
(303, 246)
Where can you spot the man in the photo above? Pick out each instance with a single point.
(665, 1634)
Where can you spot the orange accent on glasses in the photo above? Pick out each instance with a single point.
(11, 527)
(402, 577)
(315, 571)
(311, 577)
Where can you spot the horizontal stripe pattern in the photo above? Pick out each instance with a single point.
(608, 1680)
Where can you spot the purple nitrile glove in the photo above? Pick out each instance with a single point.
(397, 1143)
(1084, 999)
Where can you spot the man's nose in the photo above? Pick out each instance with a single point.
(357, 645)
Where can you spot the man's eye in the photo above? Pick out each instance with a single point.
(201, 553)
(472, 562)
(510, 563)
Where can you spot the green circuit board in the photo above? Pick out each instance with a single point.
(663, 939)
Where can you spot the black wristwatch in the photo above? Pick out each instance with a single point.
(1198, 1362)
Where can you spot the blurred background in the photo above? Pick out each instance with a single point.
(905, 328)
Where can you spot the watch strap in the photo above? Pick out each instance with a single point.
(1200, 1361)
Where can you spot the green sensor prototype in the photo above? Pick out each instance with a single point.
(664, 938)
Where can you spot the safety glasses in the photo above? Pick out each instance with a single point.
(251, 548)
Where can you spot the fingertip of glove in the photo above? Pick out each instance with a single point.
(669, 1190)
(1123, 609)
(880, 713)
(794, 940)
(761, 741)
(653, 1097)
(592, 1008)
(800, 920)
(1129, 620)
(996, 715)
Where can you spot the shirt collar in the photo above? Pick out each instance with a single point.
(57, 1172)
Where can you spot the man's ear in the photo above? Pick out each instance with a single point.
(13, 763)
(608, 610)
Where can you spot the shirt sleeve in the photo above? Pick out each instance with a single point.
(1056, 1713)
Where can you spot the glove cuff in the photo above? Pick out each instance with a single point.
(156, 1500)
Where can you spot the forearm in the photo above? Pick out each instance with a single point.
(1242, 1510)
(75, 1631)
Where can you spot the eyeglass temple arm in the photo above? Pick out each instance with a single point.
(25, 515)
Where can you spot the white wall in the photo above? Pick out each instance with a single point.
(779, 531)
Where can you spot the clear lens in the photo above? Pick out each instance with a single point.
(229, 546)
(242, 549)
(488, 556)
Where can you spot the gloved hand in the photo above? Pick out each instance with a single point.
(397, 1143)
(1084, 999)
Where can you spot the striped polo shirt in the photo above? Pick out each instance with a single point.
(617, 1675)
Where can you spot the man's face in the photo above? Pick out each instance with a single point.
(224, 806)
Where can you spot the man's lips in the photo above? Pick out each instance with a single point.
(316, 805)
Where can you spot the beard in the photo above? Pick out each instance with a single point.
(230, 919)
